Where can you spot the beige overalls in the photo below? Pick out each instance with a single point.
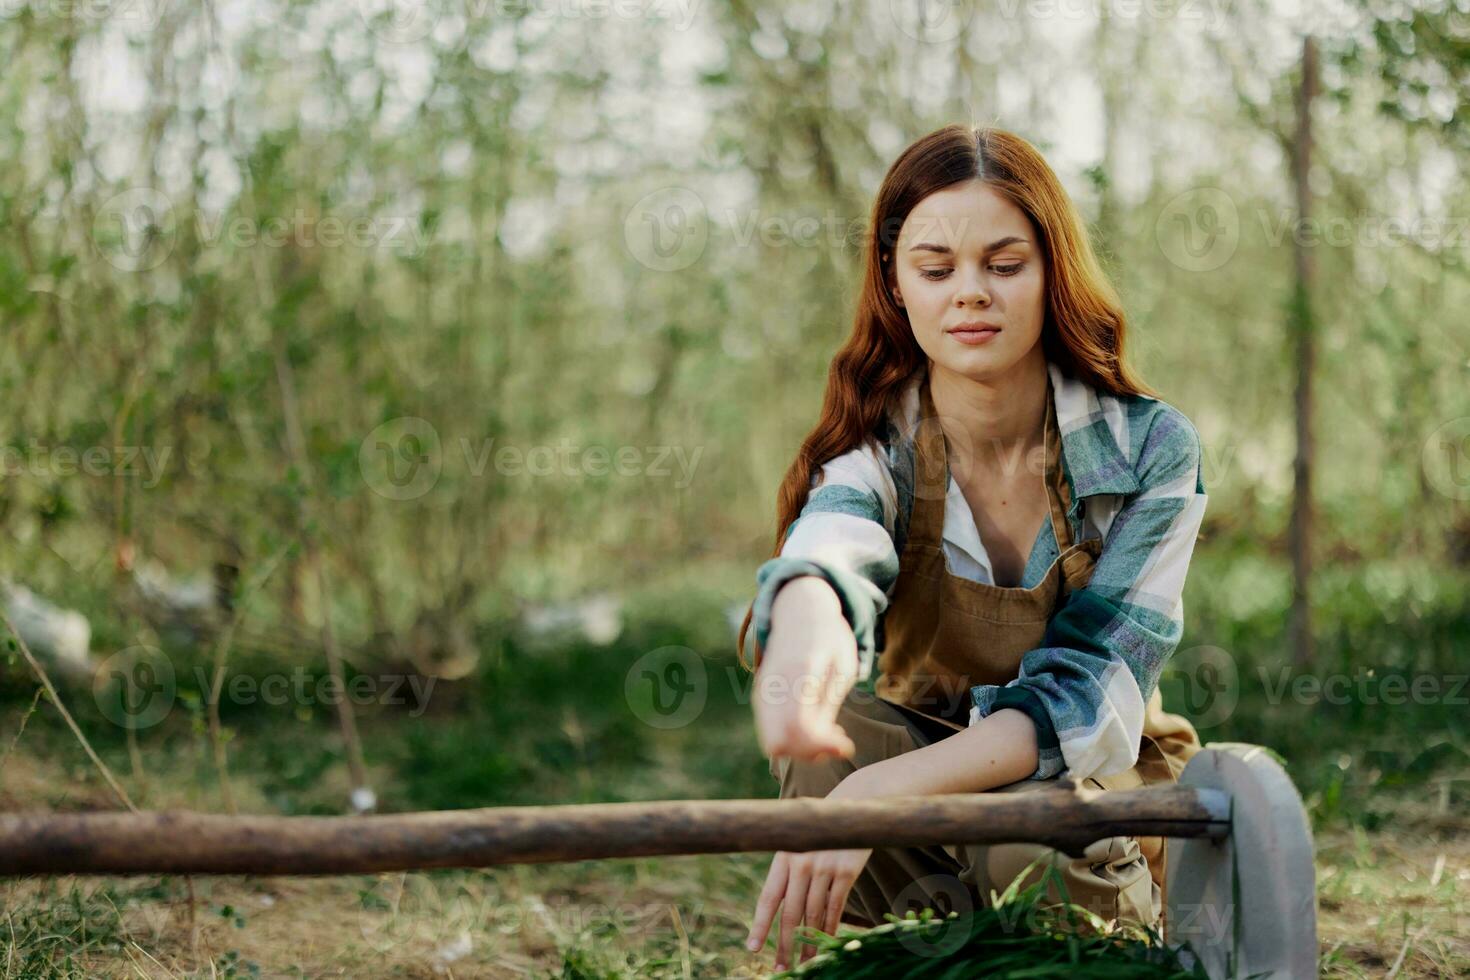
(946, 634)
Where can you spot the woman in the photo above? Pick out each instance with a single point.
(995, 503)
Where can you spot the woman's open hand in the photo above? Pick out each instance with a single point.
(808, 666)
(811, 888)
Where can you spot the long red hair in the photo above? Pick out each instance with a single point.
(1082, 330)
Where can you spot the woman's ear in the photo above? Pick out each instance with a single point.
(890, 280)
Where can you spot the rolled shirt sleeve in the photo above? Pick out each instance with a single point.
(843, 535)
(1087, 686)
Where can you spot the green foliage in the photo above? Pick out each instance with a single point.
(1379, 714)
(1018, 936)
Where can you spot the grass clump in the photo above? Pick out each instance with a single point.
(62, 937)
(1018, 936)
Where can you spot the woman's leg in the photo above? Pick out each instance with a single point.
(1111, 879)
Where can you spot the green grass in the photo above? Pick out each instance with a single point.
(1018, 936)
(64, 933)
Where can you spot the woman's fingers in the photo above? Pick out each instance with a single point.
(803, 735)
(822, 716)
(792, 910)
(797, 704)
(834, 739)
(810, 890)
(816, 908)
(800, 741)
(769, 901)
(836, 901)
(817, 710)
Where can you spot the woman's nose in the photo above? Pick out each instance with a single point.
(972, 293)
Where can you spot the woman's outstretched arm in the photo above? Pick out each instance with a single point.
(817, 606)
(805, 674)
(843, 536)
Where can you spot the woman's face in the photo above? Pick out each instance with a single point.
(967, 256)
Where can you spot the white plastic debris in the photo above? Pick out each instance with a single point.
(597, 618)
(61, 637)
(456, 949)
(364, 800)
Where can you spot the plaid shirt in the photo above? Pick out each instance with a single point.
(1134, 467)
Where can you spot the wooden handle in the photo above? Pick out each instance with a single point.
(179, 842)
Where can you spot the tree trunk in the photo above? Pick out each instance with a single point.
(1303, 330)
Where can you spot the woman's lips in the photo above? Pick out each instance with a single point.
(974, 337)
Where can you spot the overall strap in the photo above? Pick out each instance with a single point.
(1058, 493)
(931, 473)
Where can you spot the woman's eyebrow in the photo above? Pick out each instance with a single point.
(999, 243)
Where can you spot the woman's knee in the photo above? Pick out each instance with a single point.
(806, 777)
(1111, 879)
(877, 733)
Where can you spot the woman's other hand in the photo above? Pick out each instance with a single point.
(806, 670)
(811, 888)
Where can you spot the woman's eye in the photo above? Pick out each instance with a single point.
(1001, 270)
